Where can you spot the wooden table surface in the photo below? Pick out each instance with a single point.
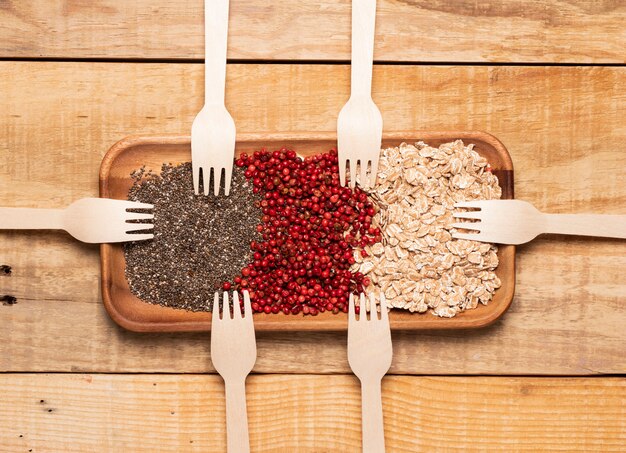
(546, 77)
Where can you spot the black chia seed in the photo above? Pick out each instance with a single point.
(199, 242)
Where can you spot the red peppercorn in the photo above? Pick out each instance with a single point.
(310, 228)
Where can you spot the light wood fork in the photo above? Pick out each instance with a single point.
(93, 220)
(360, 124)
(369, 355)
(233, 352)
(213, 130)
(517, 222)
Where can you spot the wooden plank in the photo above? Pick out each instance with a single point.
(85, 413)
(572, 31)
(564, 128)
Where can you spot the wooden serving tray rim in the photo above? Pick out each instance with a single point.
(281, 322)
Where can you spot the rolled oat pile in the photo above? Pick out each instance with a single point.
(418, 265)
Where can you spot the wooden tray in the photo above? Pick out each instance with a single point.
(134, 314)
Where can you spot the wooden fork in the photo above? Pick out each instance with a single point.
(517, 222)
(93, 220)
(233, 352)
(369, 355)
(360, 124)
(213, 130)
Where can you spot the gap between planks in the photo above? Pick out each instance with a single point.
(310, 62)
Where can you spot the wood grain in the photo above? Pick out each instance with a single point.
(564, 128)
(539, 31)
(85, 413)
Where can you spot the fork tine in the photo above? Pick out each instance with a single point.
(475, 204)
(468, 214)
(136, 205)
(362, 308)
(467, 226)
(384, 312)
(373, 310)
(247, 309)
(352, 182)
(138, 226)
(139, 216)
(373, 172)
(206, 180)
(196, 169)
(467, 237)
(217, 177)
(236, 306)
(363, 174)
(342, 171)
(226, 307)
(351, 309)
(216, 311)
(369, 181)
(228, 173)
(135, 237)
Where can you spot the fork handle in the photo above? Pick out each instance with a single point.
(237, 437)
(372, 417)
(610, 226)
(215, 44)
(363, 28)
(31, 219)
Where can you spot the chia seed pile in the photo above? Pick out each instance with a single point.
(199, 241)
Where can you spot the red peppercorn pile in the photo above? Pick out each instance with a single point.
(310, 228)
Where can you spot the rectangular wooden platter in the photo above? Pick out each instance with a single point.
(134, 314)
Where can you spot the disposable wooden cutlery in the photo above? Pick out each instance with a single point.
(233, 352)
(213, 129)
(517, 222)
(360, 124)
(94, 220)
(369, 355)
